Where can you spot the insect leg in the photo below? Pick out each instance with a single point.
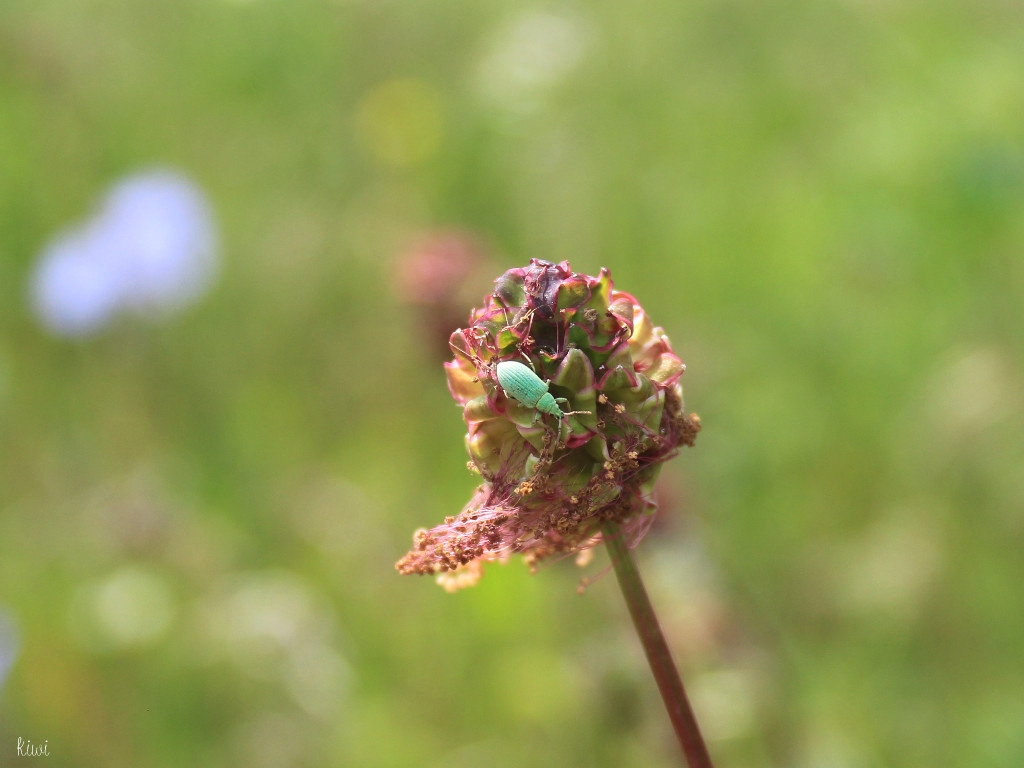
(561, 401)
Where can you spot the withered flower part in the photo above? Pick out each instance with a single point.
(549, 483)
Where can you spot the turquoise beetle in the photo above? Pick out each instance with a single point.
(522, 384)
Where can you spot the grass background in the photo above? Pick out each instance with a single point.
(821, 202)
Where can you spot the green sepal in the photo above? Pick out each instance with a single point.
(507, 338)
(572, 293)
(575, 373)
(534, 435)
(620, 357)
(652, 409)
(510, 289)
(600, 292)
(519, 414)
(491, 444)
(622, 310)
(617, 381)
(632, 397)
(479, 409)
(579, 338)
(666, 367)
(597, 448)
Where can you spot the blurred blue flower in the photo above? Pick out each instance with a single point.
(8, 645)
(151, 248)
(75, 287)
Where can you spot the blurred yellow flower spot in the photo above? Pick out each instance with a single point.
(400, 122)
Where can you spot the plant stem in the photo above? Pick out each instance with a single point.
(658, 654)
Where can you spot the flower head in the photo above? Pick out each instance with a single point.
(551, 478)
(438, 276)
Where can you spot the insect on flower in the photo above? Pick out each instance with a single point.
(523, 384)
(587, 347)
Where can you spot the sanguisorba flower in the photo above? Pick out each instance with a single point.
(439, 275)
(548, 482)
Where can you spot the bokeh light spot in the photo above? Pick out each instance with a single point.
(131, 608)
(401, 122)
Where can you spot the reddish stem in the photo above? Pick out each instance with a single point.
(658, 654)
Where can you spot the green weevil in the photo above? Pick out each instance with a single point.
(522, 384)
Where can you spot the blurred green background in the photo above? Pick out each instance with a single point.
(821, 203)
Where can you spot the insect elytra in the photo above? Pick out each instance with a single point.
(522, 384)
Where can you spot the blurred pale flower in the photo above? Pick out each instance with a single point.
(276, 624)
(131, 608)
(529, 55)
(150, 248)
(8, 645)
(74, 288)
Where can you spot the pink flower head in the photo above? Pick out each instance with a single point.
(439, 275)
(549, 481)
